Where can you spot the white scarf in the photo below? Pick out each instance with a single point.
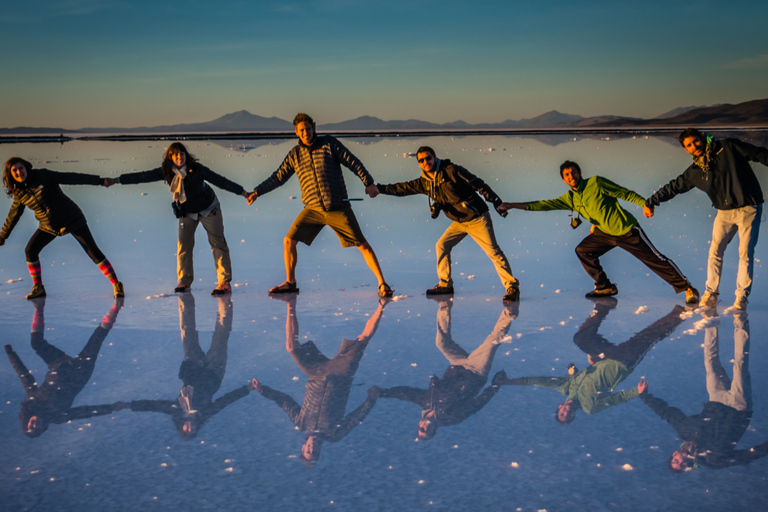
(177, 184)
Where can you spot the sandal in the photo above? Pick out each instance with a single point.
(286, 287)
(385, 291)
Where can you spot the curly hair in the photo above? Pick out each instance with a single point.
(8, 182)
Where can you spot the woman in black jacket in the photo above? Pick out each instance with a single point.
(194, 202)
(58, 215)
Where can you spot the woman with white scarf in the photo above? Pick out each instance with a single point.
(194, 202)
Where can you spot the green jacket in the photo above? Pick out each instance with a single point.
(592, 388)
(597, 201)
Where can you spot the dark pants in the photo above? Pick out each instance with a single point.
(636, 243)
(40, 239)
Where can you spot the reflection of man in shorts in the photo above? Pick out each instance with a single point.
(322, 414)
(317, 161)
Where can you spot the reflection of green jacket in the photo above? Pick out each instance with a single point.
(597, 201)
(592, 388)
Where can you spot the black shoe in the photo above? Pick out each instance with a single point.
(603, 292)
(440, 290)
(181, 288)
(38, 291)
(286, 287)
(119, 291)
(513, 295)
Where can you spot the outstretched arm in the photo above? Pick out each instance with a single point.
(373, 323)
(503, 207)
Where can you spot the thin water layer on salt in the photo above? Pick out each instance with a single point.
(123, 444)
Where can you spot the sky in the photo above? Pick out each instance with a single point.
(132, 63)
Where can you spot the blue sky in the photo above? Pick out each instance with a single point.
(126, 63)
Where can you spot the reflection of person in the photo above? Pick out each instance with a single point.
(201, 373)
(317, 161)
(596, 199)
(51, 402)
(459, 393)
(721, 169)
(710, 437)
(38, 190)
(194, 202)
(321, 415)
(592, 389)
(456, 191)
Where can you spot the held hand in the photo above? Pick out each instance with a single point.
(372, 191)
(250, 197)
(374, 392)
(119, 406)
(108, 182)
(500, 378)
(256, 385)
(642, 387)
(648, 212)
(500, 211)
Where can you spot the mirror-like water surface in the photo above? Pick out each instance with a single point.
(149, 402)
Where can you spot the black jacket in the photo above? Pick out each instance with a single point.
(730, 183)
(40, 192)
(199, 195)
(454, 189)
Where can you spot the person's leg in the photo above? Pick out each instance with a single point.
(481, 231)
(723, 231)
(589, 251)
(37, 242)
(305, 228)
(186, 248)
(214, 227)
(291, 256)
(636, 243)
(749, 228)
(372, 261)
(450, 239)
(86, 241)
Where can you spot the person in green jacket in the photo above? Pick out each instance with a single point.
(597, 200)
(591, 389)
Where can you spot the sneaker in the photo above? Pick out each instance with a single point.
(441, 290)
(38, 290)
(691, 295)
(741, 302)
(221, 289)
(603, 292)
(513, 295)
(708, 300)
(119, 292)
(181, 288)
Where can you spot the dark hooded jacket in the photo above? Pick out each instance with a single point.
(454, 189)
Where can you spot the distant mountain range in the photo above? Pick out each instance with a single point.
(747, 114)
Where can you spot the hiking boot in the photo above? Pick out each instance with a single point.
(513, 295)
(741, 302)
(119, 292)
(708, 300)
(603, 292)
(440, 290)
(38, 291)
(221, 289)
(691, 295)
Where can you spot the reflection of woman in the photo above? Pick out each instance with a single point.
(38, 190)
(51, 401)
(194, 202)
(201, 373)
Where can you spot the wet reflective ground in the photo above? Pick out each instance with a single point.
(150, 402)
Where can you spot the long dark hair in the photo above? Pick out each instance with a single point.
(176, 147)
(8, 182)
